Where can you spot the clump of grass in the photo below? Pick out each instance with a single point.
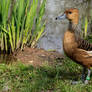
(20, 23)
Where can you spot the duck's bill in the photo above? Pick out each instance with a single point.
(61, 17)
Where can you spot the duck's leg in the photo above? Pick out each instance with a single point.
(82, 77)
(88, 76)
(83, 74)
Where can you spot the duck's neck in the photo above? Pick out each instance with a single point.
(72, 26)
(75, 29)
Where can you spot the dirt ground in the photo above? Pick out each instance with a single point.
(37, 57)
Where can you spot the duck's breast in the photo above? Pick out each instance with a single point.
(69, 42)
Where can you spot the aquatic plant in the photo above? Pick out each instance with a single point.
(20, 23)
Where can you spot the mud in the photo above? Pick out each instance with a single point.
(38, 57)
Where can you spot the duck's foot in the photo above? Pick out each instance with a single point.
(88, 76)
(76, 82)
(79, 82)
(86, 82)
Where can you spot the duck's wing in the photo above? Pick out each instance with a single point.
(85, 45)
(89, 53)
(83, 57)
(80, 53)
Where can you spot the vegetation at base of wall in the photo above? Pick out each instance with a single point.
(20, 23)
(86, 26)
(87, 21)
(57, 78)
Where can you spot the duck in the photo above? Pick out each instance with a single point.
(75, 47)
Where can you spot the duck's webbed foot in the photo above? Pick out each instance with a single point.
(76, 82)
(88, 76)
(86, 82)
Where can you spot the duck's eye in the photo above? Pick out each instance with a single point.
(70, 12)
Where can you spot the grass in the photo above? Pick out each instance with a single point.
(57, 78)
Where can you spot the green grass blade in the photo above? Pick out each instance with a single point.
(13, 33)
(10, 38)
(6, 45)
(30, 19)
(4, 29)
(4, 9)
(40, 33)
(86, 26)
(2, 41)
(38, 36)
(39, 26)
(19, 16)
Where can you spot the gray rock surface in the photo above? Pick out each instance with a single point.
(55, 29)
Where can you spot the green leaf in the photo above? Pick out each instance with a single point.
(86, 26)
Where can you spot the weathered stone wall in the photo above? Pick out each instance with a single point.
(55, 29)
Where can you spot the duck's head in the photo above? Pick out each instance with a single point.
(71, 14)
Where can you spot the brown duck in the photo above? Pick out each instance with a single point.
(77, 49)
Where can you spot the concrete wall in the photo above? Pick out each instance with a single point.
(55, 29)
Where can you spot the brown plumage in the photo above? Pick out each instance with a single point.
(76, 48)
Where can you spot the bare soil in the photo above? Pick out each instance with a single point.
(37, 57)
